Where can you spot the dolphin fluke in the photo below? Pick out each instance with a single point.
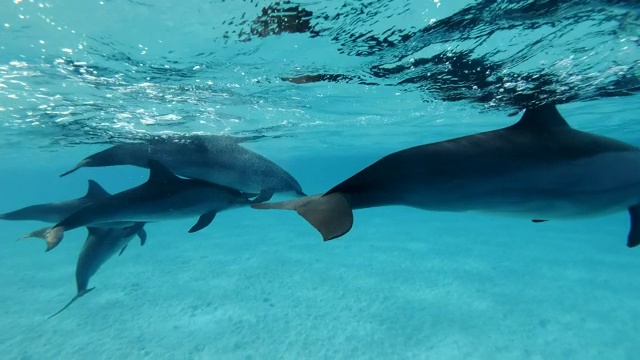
(78, 296)
(52, 236)
(330, 214)
(80, 165)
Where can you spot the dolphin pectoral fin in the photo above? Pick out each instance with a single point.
(122, 250)
(265, 195)
(80, 164)
(142, 234)
(330, 214)
(78, 296)
(633, 239)
(52, 236)
(203, 221)
(538, 220)
(158, 172)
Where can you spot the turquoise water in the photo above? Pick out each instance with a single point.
(349, 83)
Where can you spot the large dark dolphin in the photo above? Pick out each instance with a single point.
(55, 212)
(164, 196)
(217, 159)
(101, 244)
(538, 168)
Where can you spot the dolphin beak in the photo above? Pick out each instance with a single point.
(80, 164)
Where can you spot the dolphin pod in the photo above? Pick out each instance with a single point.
(206, 163)
(539, 168)
(101, 243)
(163, 196)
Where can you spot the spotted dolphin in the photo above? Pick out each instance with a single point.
(101, 244)
(55, 212)
(217, 159)
(163, 196)
(539, 168)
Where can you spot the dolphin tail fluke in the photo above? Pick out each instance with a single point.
(80, 164)
(52, 236)
(330, 214)
(78, 296)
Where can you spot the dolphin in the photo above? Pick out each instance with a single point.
(55, 212)
(538, 168)
(217, 159)
(101, 244)
(163, 196)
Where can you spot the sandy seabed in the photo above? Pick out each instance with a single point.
(403, 284)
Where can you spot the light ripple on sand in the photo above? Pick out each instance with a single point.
(268, 287)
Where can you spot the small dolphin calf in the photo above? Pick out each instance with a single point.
(55, 212)
(217, 159)
(538, 168)
(164, 196)
(101, 244)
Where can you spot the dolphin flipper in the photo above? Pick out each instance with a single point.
(78, 296)
(203, 221)
(265, 195)
(330, 214)
(142, 234)
(633, 239)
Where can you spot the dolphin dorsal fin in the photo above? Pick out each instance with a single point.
(159, 172)
(542, 117)
(95, 191)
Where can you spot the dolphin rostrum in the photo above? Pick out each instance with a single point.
(538, 168)
(163, 196)
(217, 159)
(55, 212)
(101, 244)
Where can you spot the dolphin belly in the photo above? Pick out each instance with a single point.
(186, 204)
(597, 185)
(100, 246)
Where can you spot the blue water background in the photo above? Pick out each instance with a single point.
(403, 284)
